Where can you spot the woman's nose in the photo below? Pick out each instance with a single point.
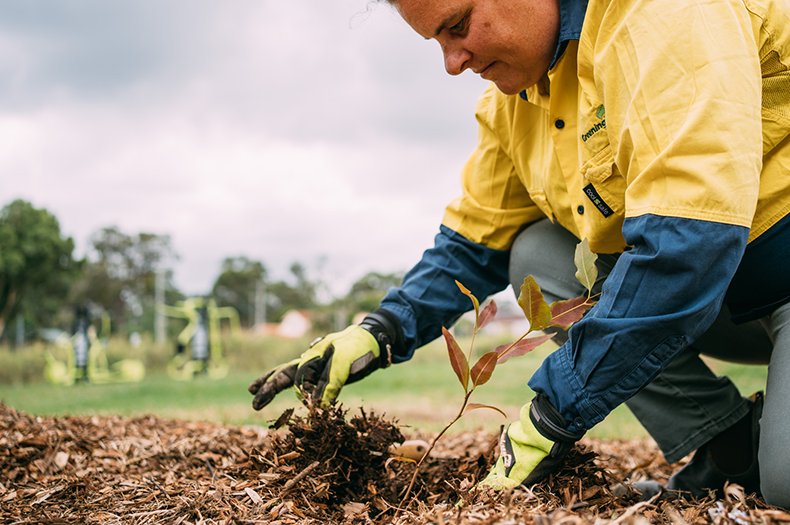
(456, 58)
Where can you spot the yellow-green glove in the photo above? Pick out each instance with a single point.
(526, 456)
(334, 360)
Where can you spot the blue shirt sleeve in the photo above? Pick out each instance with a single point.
(429, 299)
(660, 296)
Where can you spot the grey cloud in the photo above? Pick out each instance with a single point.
(305, 70)
(120, 105)
(80, 49)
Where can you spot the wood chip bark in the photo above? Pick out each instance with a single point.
(321, 467)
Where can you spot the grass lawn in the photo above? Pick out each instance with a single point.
(423, 394)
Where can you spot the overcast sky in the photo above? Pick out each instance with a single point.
(298, 130)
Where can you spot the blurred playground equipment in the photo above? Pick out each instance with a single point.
(203, 337)
(86, 356)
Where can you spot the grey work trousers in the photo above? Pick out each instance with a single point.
(687, 404)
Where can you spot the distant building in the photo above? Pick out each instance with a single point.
(510, 321)
(294, 325)
(507, 323)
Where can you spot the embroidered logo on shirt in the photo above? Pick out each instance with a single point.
(601, 114)
(596, 199)
(592, 130)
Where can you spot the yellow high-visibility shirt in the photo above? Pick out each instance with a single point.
(616, 129)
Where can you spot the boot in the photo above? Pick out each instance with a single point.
(729, 456)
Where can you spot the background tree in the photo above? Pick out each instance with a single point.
(119, 276)
(238, 284)
(366, 294)
(36, 264)
(282, 296)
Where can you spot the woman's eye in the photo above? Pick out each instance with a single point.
(459, 27)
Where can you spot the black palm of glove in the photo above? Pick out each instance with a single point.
(333, 361)
(266, 387)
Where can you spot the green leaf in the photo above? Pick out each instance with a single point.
(527, 344)
(466, 292)
(586, 271)
(457, 359)
(475, 406)
(487, 314)
(565, 313)
(534, 305)
(483, 369)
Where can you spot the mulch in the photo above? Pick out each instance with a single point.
(326, 466)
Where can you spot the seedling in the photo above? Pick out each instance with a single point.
(540, 315)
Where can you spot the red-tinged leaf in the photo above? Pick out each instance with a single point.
(457, 359)
(565, 313)
(467, 293)
(487, 314)
(534, 305)
(584, 258)
(522, 347)
(397, 458)
(483, 369)
(475, 406)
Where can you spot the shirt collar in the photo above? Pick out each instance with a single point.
(571, 21)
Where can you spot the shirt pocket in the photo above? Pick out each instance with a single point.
(602, 183)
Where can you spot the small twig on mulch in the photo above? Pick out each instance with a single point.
(296, 479)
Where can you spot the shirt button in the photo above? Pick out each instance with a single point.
(559, 123)
(580, 209)
(579, 422)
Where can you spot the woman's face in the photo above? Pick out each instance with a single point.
(510, 42)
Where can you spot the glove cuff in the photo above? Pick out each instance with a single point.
(386, 329)
(549, 422)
